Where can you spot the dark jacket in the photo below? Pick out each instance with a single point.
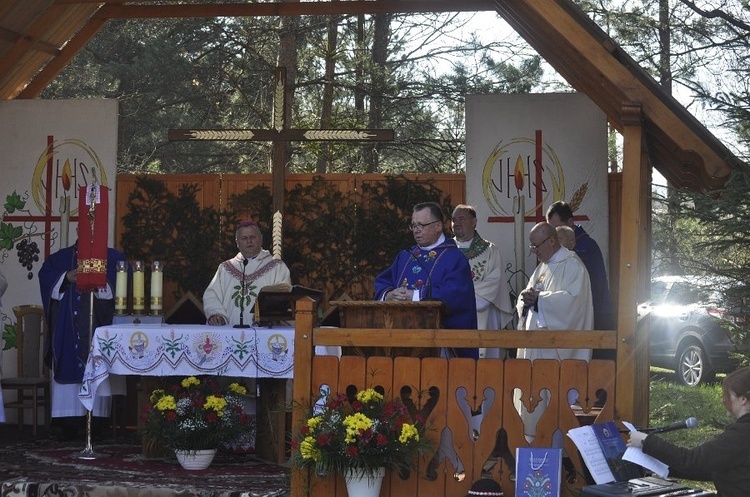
(725, 460)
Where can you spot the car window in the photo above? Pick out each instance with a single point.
(683, 293)
(658, 291)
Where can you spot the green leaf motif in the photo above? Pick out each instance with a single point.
(14, 202)
(8, 233)
(9, 336)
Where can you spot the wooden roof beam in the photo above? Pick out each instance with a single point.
(118, 11)
(53, 68)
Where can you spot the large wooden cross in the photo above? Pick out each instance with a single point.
(279, 134)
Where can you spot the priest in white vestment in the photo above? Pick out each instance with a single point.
(227, 297)
(491, 291)
(558, 295)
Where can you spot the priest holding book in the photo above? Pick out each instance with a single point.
(230, 297)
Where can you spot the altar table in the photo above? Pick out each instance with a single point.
(184, 350)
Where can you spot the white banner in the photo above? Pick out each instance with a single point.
(524, 152)
(48, 150)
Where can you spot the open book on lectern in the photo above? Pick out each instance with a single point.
(602, 448)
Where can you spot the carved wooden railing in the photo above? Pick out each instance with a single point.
(471, 416)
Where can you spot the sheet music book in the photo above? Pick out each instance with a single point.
(538, 472)
(602, 448)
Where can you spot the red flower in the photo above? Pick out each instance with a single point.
(305, 430)
(171, 415)
(324, 439)
(352, 451)
(381, 440)
(212, 418)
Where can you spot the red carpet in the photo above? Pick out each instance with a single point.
(46, 467)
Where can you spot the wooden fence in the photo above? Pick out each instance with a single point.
(484, 438)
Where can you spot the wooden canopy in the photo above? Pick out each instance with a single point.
(39, 37)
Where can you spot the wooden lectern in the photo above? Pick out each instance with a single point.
(386, 315)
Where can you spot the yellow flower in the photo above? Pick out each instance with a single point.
(407, 432)
(166, 403)
(368, 395)
(215, 403)
(238, 389)
(354, 423)
(313, 423)
(308, 450)
(190, 380)
(156, 395)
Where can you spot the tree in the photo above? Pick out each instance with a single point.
(352, 72)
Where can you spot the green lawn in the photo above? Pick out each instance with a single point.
(669, 402)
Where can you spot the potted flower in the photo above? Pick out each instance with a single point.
(195, 416)
(359, 438)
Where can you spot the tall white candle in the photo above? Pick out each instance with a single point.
(156, 288)
(64, 220)
(139, 299)
(121, 288)
(519, 212)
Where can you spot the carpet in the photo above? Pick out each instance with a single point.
(45, 467)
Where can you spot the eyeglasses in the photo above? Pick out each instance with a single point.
(420, 226)
(536, 246)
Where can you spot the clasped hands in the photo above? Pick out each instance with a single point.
(399, 294)
(529, 297)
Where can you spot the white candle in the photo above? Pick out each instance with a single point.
(121, 288)
(156, 288)
(139, 299)
(64, 220)
(519, 213)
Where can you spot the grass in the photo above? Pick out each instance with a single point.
(670, 402)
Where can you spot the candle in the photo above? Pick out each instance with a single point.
(519, 212)
(121, 288)
(64, 220)
(156, 288)
(139, 299)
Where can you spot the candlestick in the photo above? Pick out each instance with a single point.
(156, 288)
(121, 288)
(139, 299)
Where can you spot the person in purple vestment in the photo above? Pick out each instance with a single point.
(67, 313)
(433, 269)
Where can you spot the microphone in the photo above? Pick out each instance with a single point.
(242, 298)
(681, 425)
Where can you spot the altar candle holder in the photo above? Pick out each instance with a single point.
(121, 288)
(157, 279)
(139, 299)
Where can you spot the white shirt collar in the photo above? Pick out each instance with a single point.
(438, 242)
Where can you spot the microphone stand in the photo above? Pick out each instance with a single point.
(242, 298)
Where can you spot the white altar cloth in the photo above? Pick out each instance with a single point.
(184, 350)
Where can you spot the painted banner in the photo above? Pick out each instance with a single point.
(524, 152)
(49, 149)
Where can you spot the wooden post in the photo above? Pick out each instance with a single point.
(303, 352)
(631, 396)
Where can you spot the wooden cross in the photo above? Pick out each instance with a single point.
(279, 134)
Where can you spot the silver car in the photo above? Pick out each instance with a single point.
(690, 327)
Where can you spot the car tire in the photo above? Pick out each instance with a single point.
(691, 367)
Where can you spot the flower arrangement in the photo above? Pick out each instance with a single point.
(196, 414)
(364, 433)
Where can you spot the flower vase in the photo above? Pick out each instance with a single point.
(362, 483)
(195, 459)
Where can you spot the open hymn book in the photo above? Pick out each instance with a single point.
(607, 457)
